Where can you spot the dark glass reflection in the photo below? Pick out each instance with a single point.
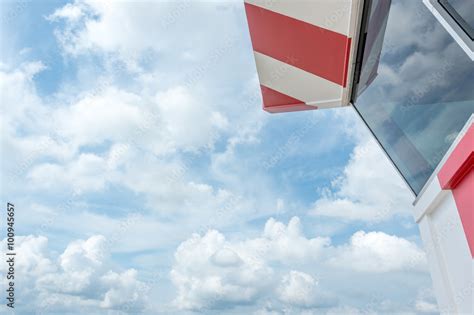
(423, 93)
(465, 8)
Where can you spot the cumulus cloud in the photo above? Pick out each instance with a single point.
(171, 120)
(124, 291)
(71, 12)
(50, 144)
(211, 272)
(18, 88)
(360, 193)
(426, 302)
(426, 307)
(287, 243)
(25, 123)
(379, 252)
(110, 114)
(80, 278)
(189, 123)
(301, 289)
(32, 262)
(87, 173)
(126, 131)
(78, 265)
(111, 28)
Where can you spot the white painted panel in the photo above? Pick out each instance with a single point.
(297, 83)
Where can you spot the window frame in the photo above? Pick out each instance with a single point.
(454, 23)
(467, 28)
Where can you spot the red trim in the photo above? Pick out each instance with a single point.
(464, 198)
(459, 163)
(276, 102)
(457, 174)
(317, 50)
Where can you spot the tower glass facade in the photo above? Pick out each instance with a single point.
(422, 92)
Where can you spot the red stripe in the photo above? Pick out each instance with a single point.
(276, 102)
(311, 48)
(459, 162)
(463, 196)
(457, 174)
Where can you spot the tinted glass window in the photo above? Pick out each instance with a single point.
(423, 92)
(465, 8)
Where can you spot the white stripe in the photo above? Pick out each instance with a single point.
(297, 83)
(333, 15)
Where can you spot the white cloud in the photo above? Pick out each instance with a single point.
(80, 278)
(426, 307)
(426, 302)
(127, 232)
(370, 189)
(123, 122)
(80, 255)
(71, 12)
(18, 89)
(173, 119)
(378, 252)
(78, 264)
(124, 131)
(25, 123)
(111, 114)
(343, 310)
(87, 173)
(209, 270)
(137, 156)
(288, 244)
(188, 123)
(32, 261)
(124, 292)
(301, 290)
(123, 28)
(171, 191)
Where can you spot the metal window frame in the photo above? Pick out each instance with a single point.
(454, 23)
(458, 18)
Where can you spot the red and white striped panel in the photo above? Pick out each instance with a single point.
(304, 51)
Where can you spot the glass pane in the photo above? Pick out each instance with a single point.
(423, 93)
(465, 8)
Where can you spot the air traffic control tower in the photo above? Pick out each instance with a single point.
(407, 69)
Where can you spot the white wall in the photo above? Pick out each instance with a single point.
(449, 257)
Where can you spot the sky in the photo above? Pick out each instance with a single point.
(147, 179)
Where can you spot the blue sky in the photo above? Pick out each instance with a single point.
(147, 179)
